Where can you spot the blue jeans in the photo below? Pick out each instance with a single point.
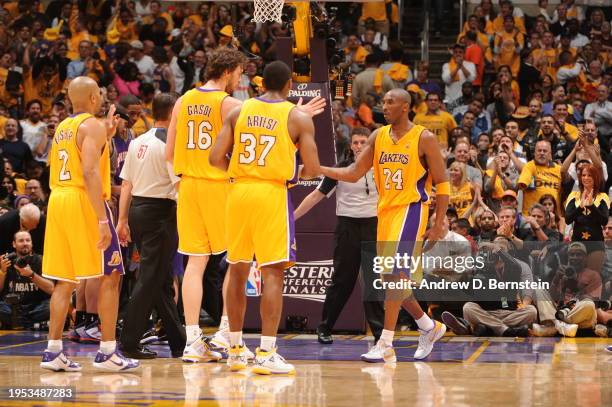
(30, 313)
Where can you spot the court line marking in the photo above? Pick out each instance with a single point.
(478, 352)
(22, 344)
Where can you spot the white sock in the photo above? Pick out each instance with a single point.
(54, 345)
(425, 323)
(387, 337)
(224, 325)
(108, 347)
(193, 332)
(235, 338)
(267, 343)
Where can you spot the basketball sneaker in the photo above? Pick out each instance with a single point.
(74, 334)
(115, 362)
(91, 333)
(58, 362)
(271, 362)
(428, 338)
(565, 329)
(380, 352)
(200, 351)
(543, 330)
(220, 343)
(237, 359)
(609, 348)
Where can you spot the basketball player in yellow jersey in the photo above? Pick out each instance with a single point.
(78, 226)
(197, 118)
(262, 136)
(406, 158)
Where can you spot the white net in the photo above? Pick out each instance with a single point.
(268, 10)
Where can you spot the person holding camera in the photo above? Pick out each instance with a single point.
(25, 293)
(503, 311)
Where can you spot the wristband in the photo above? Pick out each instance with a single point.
(103, 222)
(443, 188)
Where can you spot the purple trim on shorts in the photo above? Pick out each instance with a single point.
(409, 233)
(291, 220)
(269, 100)
(421, 187)
(113, 260)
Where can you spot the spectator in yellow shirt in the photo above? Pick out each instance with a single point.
(380, 12)
(540, 177)
(437, 121)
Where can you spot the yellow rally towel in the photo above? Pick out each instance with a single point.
(378, 79)
(398, 72)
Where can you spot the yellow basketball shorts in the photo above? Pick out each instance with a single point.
(400, 235)
(200, 216)
(71, 237)
(260, 224)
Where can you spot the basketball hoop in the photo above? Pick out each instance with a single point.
(268, 10)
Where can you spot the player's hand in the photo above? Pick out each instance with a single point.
(105, 236)
(4, 264)
(111, 122)
(123, 231)
(314, 107)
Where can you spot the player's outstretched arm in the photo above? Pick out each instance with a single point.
(94, 139)
(224, 142)
(302, 130)
(359, 168)
(431, 151)
(171, 136)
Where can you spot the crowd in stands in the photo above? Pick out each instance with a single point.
(522, 110)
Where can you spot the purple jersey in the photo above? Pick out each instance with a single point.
(121, 149)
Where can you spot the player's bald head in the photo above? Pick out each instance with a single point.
(400, 95)
(83, 91)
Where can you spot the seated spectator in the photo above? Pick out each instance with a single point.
(462, 155)
(507, 9)
(33, 128)
(557, 222)
(600, 111)
(540, 176)
(372, 81)
(476, 106)
(538, 221)
(399, 73)
(16, 151)
(498, 179)
(422, 79)
(551, 132)
(570, 73)
(455, 73)
(355, 54)
(10, 188)
(25, 296)
(436, 120)
(568, 131)
(486, 223)
(462, 197)
(577, 40)
(37, 195)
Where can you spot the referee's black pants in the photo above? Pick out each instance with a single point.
(153, 229)
(349, 235)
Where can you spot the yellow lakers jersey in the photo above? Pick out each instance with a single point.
(66, 168)
(263, 148)
(400, 177)
(461, 198)
(198, 123)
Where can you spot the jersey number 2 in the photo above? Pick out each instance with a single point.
(250, 143)
(64, 174)
(204, 138)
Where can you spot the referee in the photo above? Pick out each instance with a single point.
(149, 185)
(356, 210)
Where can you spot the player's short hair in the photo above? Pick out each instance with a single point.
(162, 106)
(276, 75)
(223, 60)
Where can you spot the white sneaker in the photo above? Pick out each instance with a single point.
(200, 351)
(58, 362)
(220, 343)
(543, 330)
(428, 338)
(115, 362)
(380, 353)
(237, 358)
(565, 329)
(271, 363)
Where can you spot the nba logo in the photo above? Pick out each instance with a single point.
(253, 287)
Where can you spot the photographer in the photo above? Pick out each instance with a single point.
(25, 294)
(504, 311)
(577, 288)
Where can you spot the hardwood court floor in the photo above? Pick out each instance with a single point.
(461, 371)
